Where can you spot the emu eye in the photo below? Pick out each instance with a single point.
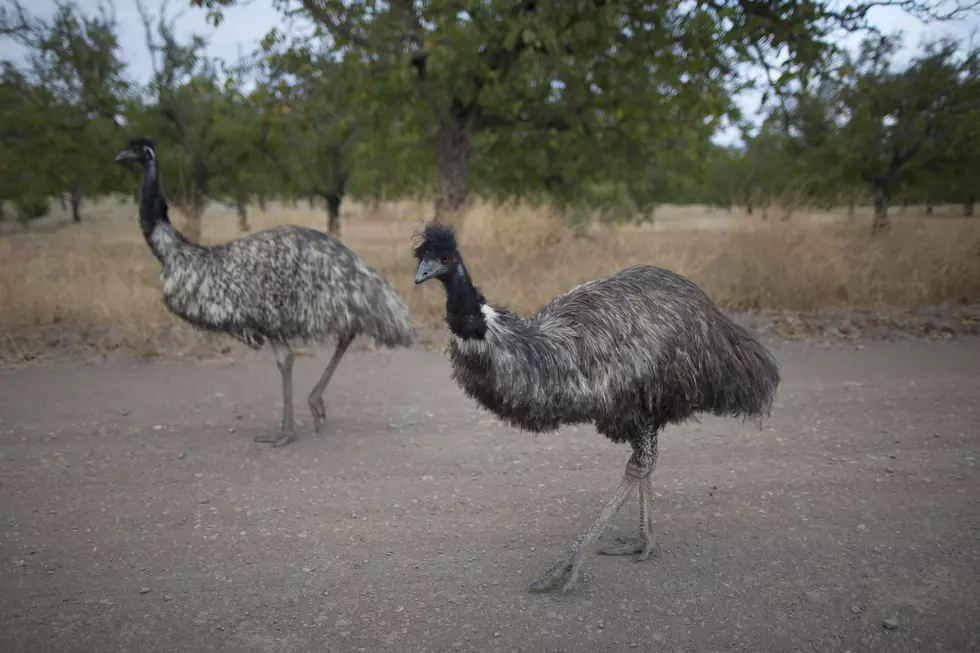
(444, 260)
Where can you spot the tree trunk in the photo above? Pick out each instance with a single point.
(75, 198)
(241, 208)
(333, 214)
(198, 201)
(905, 205)
(929, 206)
(263, 203)
(452, 162)
(64, 202)
(748, 207)
(851, 208)
(968, 206)
(883, 197)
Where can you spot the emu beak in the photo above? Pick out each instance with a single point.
(427, 270)
(125, 155)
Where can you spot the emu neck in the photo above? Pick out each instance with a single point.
(154, 222)
(464, 305)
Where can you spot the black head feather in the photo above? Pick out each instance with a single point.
(139, 149)
(140, 142)
(436, 240)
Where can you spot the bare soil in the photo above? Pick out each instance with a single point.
(137, 514)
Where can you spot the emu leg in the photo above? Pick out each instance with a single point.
(646, 449)
(573, 561)
(317, 406)
(638, 473)
(287, 431)
(643, 544)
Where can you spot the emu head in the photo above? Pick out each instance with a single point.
(436, 252)
(139, 149)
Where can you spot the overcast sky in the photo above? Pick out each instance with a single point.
(243, 27)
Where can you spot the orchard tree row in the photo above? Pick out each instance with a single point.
(608, 104)
(866, 128)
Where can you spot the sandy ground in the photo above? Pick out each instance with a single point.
(137, 514)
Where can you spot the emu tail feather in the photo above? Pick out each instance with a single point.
(746, 377)
(389, 322)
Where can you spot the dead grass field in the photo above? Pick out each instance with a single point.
(98, 281)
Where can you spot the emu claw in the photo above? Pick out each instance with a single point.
(319, 413)
(558, 571)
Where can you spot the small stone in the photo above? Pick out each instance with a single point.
(204, 500)
(145, 590)
(815, 596)
(181, 455)
(855, 609)
(865, 641)
(166, 597)
(496, 634)
(891, 623)
(157, 427)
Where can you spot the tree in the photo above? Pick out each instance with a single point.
(567, 67)
(73, 82)
(240, 169)
(311, 125)
(905, 124)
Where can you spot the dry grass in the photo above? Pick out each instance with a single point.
(99, 278)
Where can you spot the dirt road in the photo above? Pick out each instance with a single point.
(137, 514)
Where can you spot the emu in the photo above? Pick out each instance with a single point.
(630, 353)
(284, 284)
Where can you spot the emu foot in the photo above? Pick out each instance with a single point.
(319, 411)
(279, 439)
(563, 568)
(629, 546)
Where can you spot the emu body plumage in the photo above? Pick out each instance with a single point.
(281, 285)
(284, 283)
(630, 353)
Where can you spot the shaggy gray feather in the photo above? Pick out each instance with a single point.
(284, 283)
(641, 346)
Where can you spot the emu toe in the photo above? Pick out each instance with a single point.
(277, 439)
(562, 569)
(628, 546)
